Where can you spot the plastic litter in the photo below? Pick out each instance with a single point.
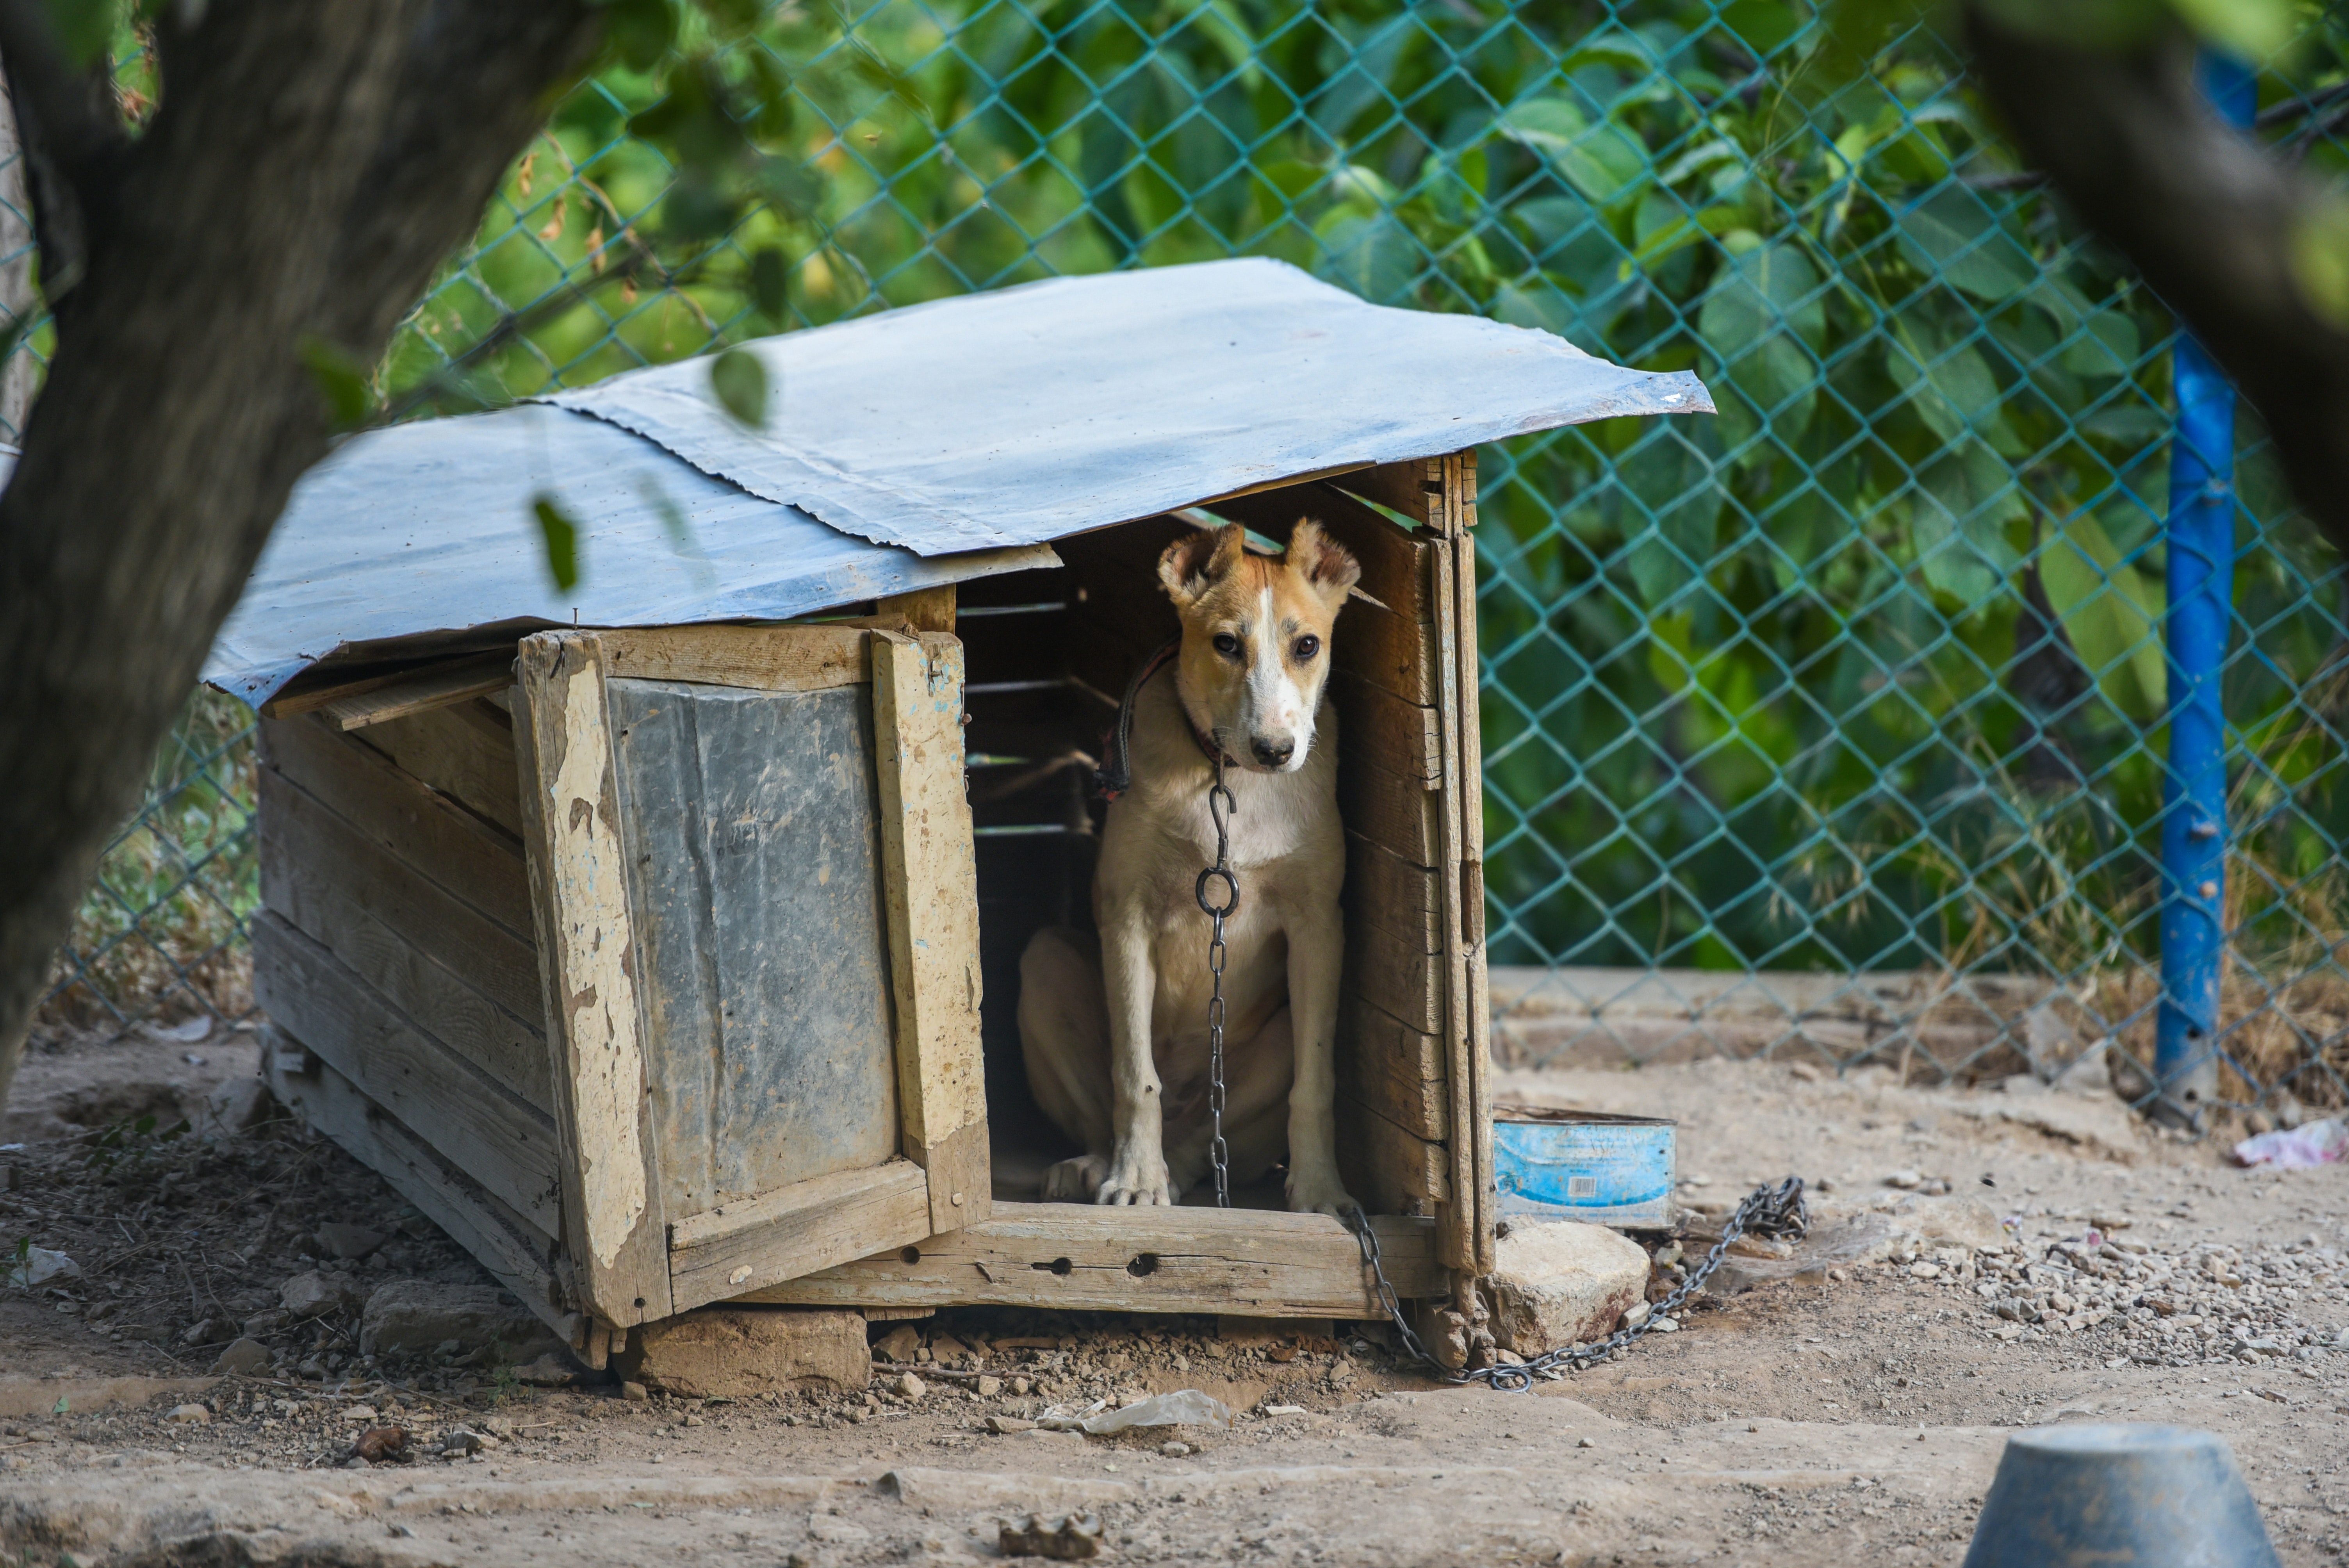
(38, 1265)
(2301, 1148)
(1183, 1407)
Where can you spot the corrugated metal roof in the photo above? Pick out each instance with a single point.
(930, 444)
(1036, 412)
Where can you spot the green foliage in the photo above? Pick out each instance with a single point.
(561, 531)
(740, 380)
(342, 382)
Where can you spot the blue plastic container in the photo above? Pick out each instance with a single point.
(2120, 1497)
(1556, 1164)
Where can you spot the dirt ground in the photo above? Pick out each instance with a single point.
(1857, 1408)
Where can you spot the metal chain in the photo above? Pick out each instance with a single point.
(1220, 807)
(1777, 1211)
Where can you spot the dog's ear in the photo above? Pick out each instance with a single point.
(1197, 561)
(1328, 567)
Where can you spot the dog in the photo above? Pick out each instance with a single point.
(1114, 1030)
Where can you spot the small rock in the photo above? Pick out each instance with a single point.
(635, 1392)
(246, 1357)
(1636, 1314)
(417, 1315)
(267, 1322)
(1175, 1451)
(740, 1351)
(899, 1343)
(1560, 1282)
(318, 1294)
(908, 1385)
(1584, 1443)
(461, 1441)
(1904, 1179)
(1002, 1424)
(1021, 1384)
(194, 1415)
(948, 1351)
(1665, 1325)
(350, 1241)
(1805, 1071)
(1925, 1270)
(211, 1331)
(41, 1266)
(989, 1388)
(692, 1420)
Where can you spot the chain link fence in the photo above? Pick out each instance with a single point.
(1832, 726)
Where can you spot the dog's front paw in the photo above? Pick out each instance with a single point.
(1319, 1191)
(1074, 1180)
(1135, 1178)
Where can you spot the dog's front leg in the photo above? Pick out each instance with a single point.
(1137, 1166)
(1317, 947)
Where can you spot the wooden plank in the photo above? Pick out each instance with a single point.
(1392, 894)
(923, 610)
(797, 1229)
(1288, 483)
(1389, 1170)
(307, 850)
(1392, 1068)
(456, 850)
(1404, 738)
(314, 688)
(1402, 487)
(442, 685)
(514, 1251)
(478, 1124)
(1390, 651)
(1398, 814)
(1455, 1223)
(1393, 972)
(465, 751)
(1247, 1262)
(1473, 1164)
(931, 882)
(305, 894)
(614, 1226)
(763, 658)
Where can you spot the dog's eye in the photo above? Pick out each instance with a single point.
(1307, 648)
(1228, 645)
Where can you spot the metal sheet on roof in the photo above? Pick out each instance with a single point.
(421, 538)
(1036, 412)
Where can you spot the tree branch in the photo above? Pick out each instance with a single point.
(69, 134)
(2208, 216)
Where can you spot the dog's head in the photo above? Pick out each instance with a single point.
(1256, 638)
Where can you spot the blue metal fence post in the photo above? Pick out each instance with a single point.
(2201, 577)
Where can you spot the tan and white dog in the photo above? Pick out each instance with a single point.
(1115, 1032)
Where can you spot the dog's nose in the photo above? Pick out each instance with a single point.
(1272, 753)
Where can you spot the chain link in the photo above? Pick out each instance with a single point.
(1777, 1211)
(1220, 807)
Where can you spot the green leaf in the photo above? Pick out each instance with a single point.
(1952, 235)
(2113, 611)
(341, 379)
(61, 1406)
(1955, 395)
(1601, 162)
(641, 32)
(85, 27)
(2250, 29)
(770, 282)
(739, 381)
(562, 541)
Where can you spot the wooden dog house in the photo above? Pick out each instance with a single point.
(663, 947)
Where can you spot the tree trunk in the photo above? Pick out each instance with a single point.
(309, 166)
(2208, 216)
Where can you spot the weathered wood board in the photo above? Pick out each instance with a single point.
(1250, 1262)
